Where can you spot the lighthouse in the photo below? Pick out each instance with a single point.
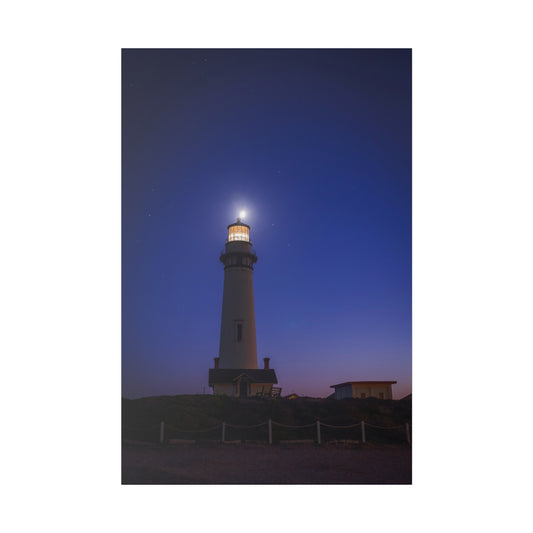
(238, 345)
(235, 371)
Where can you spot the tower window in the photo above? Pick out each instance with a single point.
(239, 332)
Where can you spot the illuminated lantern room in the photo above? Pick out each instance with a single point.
(239, 231)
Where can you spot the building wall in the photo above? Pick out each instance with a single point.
(343, 392)
(266, 388)
(372, 391)
(223, 388)
(228, 389)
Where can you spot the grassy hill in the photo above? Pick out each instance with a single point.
(192, 416)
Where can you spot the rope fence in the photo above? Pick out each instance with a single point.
(340, 427)
(192, 430)
(293, 427)
(383, 427)
(246, 427)
(317, 432)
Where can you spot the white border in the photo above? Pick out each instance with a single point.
(61, 267)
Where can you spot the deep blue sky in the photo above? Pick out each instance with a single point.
(316, 146)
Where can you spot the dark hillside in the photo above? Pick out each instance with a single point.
(192, 416)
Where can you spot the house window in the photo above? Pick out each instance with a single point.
(363, 395)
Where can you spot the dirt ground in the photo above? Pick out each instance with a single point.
(263, 464)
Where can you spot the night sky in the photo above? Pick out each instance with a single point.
(315, 145)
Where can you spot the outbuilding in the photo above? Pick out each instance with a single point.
(364, 389)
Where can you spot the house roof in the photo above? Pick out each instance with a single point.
(229, 375)
(363, 383)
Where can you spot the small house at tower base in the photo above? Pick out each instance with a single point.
(243, 382)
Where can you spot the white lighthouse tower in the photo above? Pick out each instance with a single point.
(238, 345)
(236, 372)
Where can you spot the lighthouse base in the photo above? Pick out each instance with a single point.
(242, 382)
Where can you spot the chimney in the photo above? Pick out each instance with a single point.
(267, 361)
(217, 360)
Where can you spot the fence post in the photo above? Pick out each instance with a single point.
(363, 437)
(318, 432)
(270, 431)
(223, 431)
(162, 433)
(407, 432)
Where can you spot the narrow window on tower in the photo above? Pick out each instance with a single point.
(239, 331)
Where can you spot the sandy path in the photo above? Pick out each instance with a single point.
(263, 464)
